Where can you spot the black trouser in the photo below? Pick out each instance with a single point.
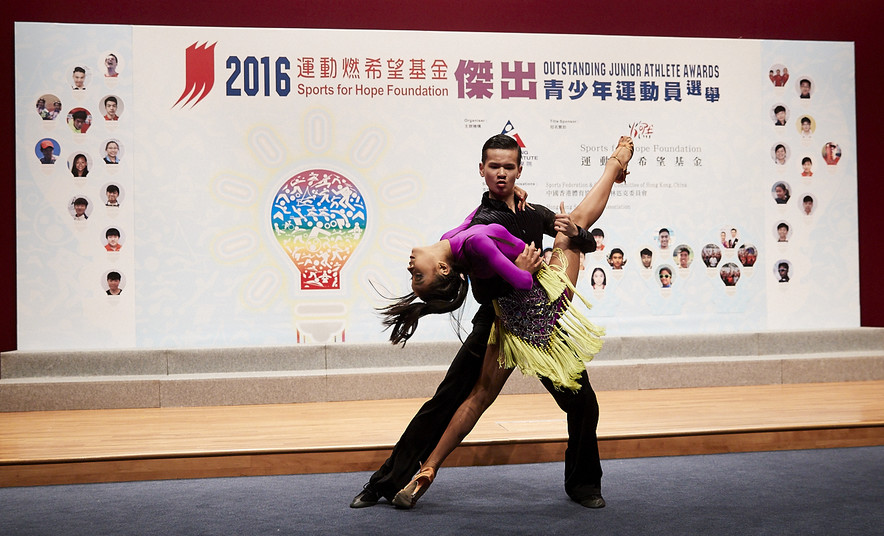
(583, 471)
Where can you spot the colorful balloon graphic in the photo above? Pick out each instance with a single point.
(318, 218)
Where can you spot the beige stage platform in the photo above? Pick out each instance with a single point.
(105, 445)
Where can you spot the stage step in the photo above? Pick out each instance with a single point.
(44, 381)
(66, 447)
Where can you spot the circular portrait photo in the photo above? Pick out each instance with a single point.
(805, 87)
(780, 115)
(47, 150)
(711, 255)
(780, 154)
(80, 77)
(808, 205)
(112, 152)
(598, 279)
(663, 237)
(599, 235)
(110, 65)
(79, 165)
(747, 254)
(665, 276)
(806, 126)
(80, 208)
(111, 107)
(113, 283)
(784, 232)
(616, 259)
(779, 74)
(48, 106)
(781, 192)
(113, 239)
(807, 167)
(782, 269)
(729, 273)
(831, 153)
(79, 119)
(112, 195)
(647, 257)
(683, 256)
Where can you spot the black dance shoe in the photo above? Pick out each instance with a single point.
(367, 497)
(592, 501)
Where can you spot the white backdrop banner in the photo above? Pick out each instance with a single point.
(214, 187)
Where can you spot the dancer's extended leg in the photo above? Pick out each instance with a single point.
(593, 204)
(487, 388)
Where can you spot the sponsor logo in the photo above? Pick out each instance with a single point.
(199, 73)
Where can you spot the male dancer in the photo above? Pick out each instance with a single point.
(582, 466)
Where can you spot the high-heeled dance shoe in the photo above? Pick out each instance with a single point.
(408, 496)
(624, 143)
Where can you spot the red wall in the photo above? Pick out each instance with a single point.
(860, 21)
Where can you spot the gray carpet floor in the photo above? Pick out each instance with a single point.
(827, 492)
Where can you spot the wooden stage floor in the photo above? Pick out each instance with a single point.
(64, 447)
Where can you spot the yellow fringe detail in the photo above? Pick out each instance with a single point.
(574, 340)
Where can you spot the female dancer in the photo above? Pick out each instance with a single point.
(537, 330)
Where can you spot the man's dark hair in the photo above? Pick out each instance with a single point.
(502, 141)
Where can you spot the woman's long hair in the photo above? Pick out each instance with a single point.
(74, 170)
(446, 294)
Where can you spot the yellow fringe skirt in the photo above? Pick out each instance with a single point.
(541, 333)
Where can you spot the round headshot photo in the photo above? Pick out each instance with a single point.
(780, 115)
(110, 65)
(779, 74)
(112, 195)
(80, 77)
(48, 106)
(683, 256)
(79, 119)
(598, 279)
(780, 192)
(111, 107)
(111, 152)
(780, 154)
(831, 153)
(806, 126)
(113, 283)
(808, 205)
(711, 255)
(616, 259)
(47, 150)
(79, 165)
(664, 236)
(784, 231)
(747, 254)
(112, 240)
(805, 87)
(729, 273)
(80, 208)
(647, 258)
(599, 235)
(665, 276)
(782, 270)
(807, 167)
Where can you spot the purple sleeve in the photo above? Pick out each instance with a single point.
(461, 227)
(487, 257)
